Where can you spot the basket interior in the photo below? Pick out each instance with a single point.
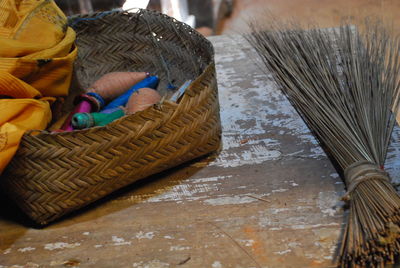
(142, 41)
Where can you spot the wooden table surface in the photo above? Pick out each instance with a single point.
(270, 198)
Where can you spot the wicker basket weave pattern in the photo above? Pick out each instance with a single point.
(53, 174)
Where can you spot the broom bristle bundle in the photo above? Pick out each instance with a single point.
(345, 85)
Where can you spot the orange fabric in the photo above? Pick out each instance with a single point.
(36, 57)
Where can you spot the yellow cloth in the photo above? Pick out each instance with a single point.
(36, 56)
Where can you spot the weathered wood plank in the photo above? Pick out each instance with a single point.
(270, 198)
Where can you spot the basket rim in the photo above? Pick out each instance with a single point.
(74, 19)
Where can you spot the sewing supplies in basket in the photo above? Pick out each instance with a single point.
(107, 97)
(87, 165)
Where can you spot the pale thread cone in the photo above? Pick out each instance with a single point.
(114, 84)
(142, 99)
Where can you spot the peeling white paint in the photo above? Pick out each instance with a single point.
(142, 235)
(304, 207)
(392, 163)
(211, 179)
(151, 264)
(255, 155)
(278, 210)
(178, 248)
(229, 200)
(294, 244)
(7, 251)
(275, 229)
(218, 235)
(265, 222)
(280, 190)
(283, 252)
(86, 233)
(329, 202)
(238, 116)
(216, 264)
(299, 217)
(182, 192)
(317, 152)
(168, 237)
(330, 211)
(26, 249)
(119, 241)
(302, 227)
(247, 243)
(310, 256)
(98, 246)
(60, 245)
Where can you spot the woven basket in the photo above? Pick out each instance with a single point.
(54, 174)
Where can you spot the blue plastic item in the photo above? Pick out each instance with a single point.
(151, 82)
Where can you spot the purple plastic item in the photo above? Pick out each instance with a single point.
(83, 107)
(84, 103)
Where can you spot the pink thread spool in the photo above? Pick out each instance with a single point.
(84, 104)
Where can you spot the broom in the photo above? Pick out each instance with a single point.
(345, 86)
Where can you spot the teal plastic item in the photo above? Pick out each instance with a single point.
(86, 120)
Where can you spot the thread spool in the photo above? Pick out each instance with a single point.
(142, 99)
(114, 84)
(149, 82)
(84, 103)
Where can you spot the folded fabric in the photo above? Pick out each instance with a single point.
(36, 57)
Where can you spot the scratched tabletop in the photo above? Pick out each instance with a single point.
(270, 198)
